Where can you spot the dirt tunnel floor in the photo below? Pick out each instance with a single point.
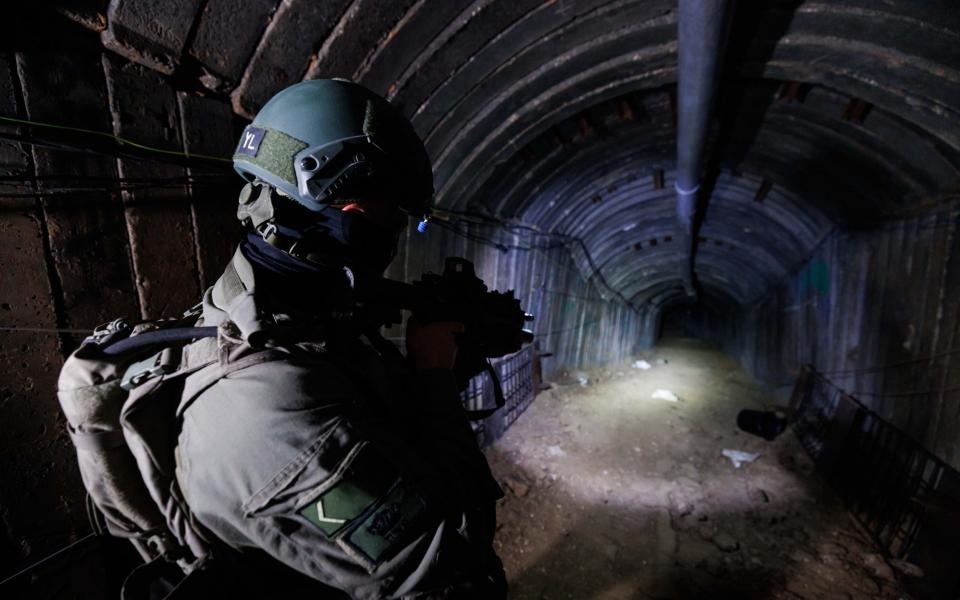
(614, 494)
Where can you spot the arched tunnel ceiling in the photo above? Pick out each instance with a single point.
(561, 114)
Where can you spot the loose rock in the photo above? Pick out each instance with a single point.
(706, 532)
(517, 486)
(726, 542)
(878, 567)
(907, 569)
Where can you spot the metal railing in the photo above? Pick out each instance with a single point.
(516, 373)
(906, 498)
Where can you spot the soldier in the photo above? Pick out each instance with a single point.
(319, 445)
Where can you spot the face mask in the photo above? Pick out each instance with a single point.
(333, 234)
(372, 244)
(349, 236)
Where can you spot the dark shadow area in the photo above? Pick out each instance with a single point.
(671, 324)
(92, 569)
(693, 320)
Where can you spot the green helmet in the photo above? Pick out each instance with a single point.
(328, 140)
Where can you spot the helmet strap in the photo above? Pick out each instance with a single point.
(296, 247)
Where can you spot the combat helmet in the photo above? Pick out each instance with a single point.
(325, 140)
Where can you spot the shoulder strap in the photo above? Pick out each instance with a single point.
(498, 400)
(210, 373)
(159, 337)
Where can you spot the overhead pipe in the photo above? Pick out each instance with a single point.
(702, 26)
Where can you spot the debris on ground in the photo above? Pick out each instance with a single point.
(878, 566)
(907, 569)
(613, 497)
(582, 379)
(738, 457)
(759, 496)
(517, 485)
(726, 542)
(662, 394)
(641, 364)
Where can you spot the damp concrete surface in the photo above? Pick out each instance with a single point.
(614, 494)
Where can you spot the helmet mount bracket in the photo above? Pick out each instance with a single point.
(336, 170)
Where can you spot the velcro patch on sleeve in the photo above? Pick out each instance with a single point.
(365, 480)
(394, 522)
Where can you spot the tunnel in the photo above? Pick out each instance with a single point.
(707, 206)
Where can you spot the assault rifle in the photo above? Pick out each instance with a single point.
(493, 321)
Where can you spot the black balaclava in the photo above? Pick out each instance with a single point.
(307, 260)
(287, 283)
(326, 237)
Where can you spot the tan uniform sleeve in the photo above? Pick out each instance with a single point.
(278, 457)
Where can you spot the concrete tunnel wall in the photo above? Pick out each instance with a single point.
(835, 158)
(876, 311)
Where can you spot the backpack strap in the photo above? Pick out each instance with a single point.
(165, 362)
(166, 337)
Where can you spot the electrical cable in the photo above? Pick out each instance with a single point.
(905, 394)
(47, 330)
(563, 238)
(566, 295)
(64, 185)
(858, 393)
(498, 245)
(47, 559)
(566, 329)
(881, 368)
(29, 179)
(116, 138)
(66, 192)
